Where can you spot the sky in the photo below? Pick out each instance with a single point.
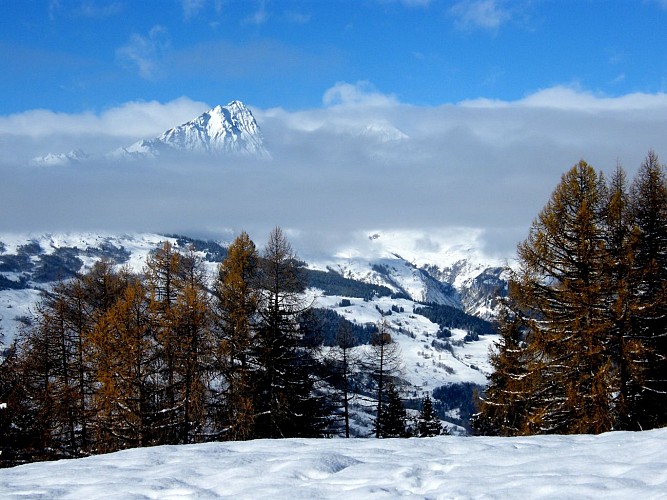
(379, 114)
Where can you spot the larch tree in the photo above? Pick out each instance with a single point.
(561, 288)
(194, 345)
(624, 347)
(164, 282)
(123, 352)
(179, 321)
(236, 306)
(648, 284)
(583, 344)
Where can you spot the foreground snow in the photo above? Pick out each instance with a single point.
(615, 465)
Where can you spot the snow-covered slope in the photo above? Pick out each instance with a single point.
(230, 129)
(617, 465)
(425, 365)
(443, 267)
(30, 263)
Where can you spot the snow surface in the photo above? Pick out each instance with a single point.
(614, 465)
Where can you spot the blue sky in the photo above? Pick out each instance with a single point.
(425, 115)
(70, 55)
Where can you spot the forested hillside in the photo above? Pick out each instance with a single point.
(113, 358)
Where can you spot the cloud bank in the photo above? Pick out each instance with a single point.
(363, 161)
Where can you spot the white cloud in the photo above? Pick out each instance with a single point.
(135, 119)
(484, 14)
(571, 99)
(362, 93)
(192, 7)
(95, 10)
(146, 53)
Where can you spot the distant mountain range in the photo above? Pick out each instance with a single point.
(457, 278)
(223, 130)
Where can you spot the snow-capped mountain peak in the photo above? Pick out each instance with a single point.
(223, 129)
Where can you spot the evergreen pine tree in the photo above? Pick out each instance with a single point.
(284, 403)
(392, 420)
(428, 422)
(503, 409)
(345, 362)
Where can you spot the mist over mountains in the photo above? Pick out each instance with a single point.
(361, 162)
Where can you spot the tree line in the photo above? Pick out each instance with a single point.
(115, 359)
(583, 345)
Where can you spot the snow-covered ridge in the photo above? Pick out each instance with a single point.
(60, 159)
(424, 267)
(438, 267)
(19, 293)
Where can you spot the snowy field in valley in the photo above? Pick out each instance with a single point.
(616, 465)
